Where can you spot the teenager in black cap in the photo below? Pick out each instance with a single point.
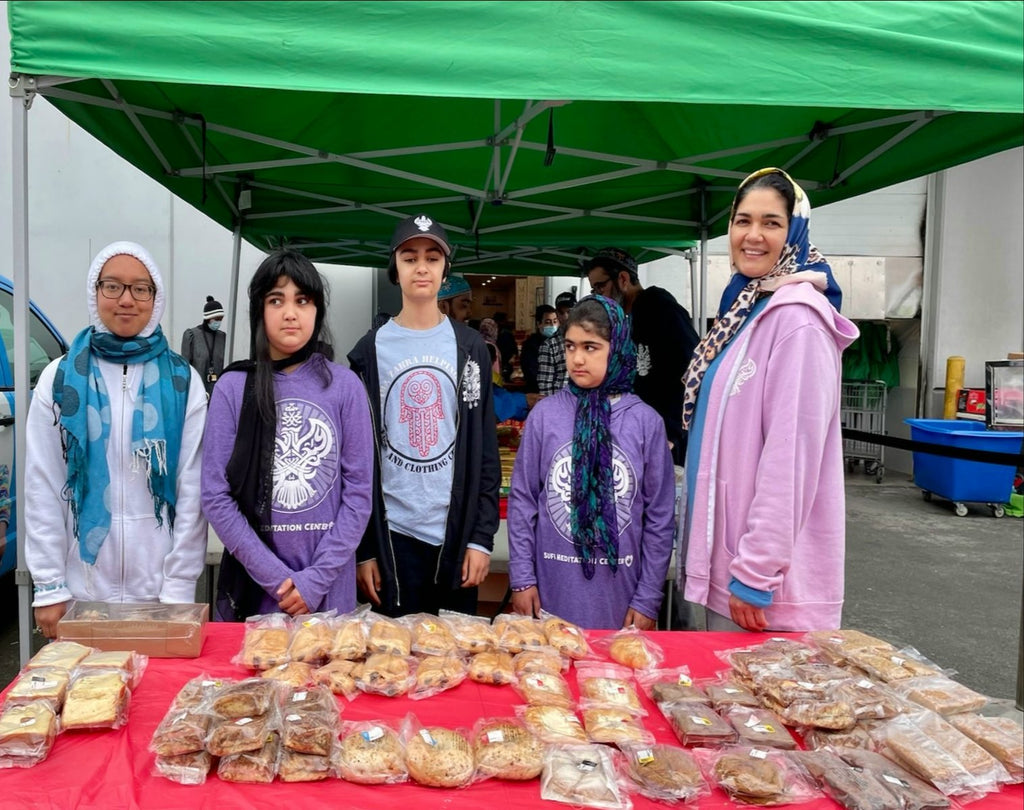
(203, 345)
(437, 471)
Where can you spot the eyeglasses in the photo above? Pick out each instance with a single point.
(115, 289)
(600, 286)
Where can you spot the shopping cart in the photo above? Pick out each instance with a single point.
(863, 408)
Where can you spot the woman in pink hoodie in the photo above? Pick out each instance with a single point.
(765, 532)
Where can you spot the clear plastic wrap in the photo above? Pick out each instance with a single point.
(697, 724)
(339, 676)
(772, 653)
(871, 700)
(181, 731)
(940, 694)
(259, 765)
(544, 689)
(760, 727)
(671, 686)
(913, 793)
(96, 698)
(294, 673)
(386, 674)
(755, 775)
(725, 691)
(664, 773)
(891, 666)
(132, 663)
(349, 635)
(245, 698)
(61, 654)
(837, 644)
(473, 634)
(266, 641)
(856, 737)
(632, 648)
(388, 636)
(42, 683)
(493, 668)
(504, 748)
(436, 674)
(615, 726)
(566, 637)
(196, 692)
(1002, 737)
(309, 721)
(582, 775)
(607, 686)
(517, 633)
(437, 756)
(431, 635)
(312, 638)
(371, 752)
(553, 724)
(238, 735)
(27, 732)
(853, 788)
(542, 659)
(186, 769)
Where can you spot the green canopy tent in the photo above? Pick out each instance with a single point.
(535, 131)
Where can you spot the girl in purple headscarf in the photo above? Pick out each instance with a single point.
(590, 512)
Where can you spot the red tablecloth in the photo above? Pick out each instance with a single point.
(111, 770)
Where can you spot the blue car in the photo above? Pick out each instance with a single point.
(46, 344)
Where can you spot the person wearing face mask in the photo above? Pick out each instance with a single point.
(203, 346)
(546, 320)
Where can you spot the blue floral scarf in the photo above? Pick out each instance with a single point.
(157, 422)
(593, 519)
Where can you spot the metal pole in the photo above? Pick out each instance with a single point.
(701, 325)
(1020, 662)
(236, 253)
(21, 99)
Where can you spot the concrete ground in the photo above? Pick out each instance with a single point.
(916, 575)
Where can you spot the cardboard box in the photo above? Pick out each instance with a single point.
(151, 628)
(970, 404)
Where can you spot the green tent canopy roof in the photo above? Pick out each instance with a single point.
(536, 132)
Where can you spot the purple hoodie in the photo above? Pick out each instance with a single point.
(322, 483)
(541, 551)
(767, 506)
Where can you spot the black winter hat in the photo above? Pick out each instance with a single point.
(410, 228)
(212, 309)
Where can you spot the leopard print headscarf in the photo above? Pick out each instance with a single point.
(799, 261)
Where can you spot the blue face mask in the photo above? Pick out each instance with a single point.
(214, 325)
(548, 331)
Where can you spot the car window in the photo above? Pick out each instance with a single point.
(43, 344)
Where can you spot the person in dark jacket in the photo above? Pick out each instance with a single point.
(203, 346)
(546, 321)
(436, 470)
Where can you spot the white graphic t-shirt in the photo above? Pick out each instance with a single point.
(418, 403)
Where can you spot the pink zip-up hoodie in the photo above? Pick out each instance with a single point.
(768, 505)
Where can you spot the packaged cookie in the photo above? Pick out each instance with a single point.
(371, 753)
(1002, 737)
(385, 674)
(473, 634)
(27, 732)
(266, 641)
(773, 653)
(431, 635)
(913, 793)
(96, 698)
(564, 636)
(388, 636)
(542, 659)
(890, 666)
(339, 676)
(436, 674)
(185, 769)
(632, 648)
(504, 748)
(294, 673)
(697, 724)
(671, 686)
(437, 756)
(312, 638)
(870, 700)
(725, 691)
(607, 686)
(582, 775)
(604, 725)
(762, 776)
(553, 724)
(856, 737)
(493, 668)
(759, 727)
(662, 772)
(940, 694)
(836, 644)
(853, 788)
(517, 633)
(349, 637)
(544, 689)
(259, 765)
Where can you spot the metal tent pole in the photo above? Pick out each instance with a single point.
(701, 326)
(236, 252)
(21, 98)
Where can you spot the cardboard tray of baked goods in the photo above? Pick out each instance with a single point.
(151, 628)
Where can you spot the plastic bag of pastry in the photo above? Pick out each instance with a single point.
(294, 674)
(238, 734)
(755, 775)
(386, 674)
(436, 674)
(759, 727)
(350, 635)
(544, 689)
(431, 635)
(312, 638)
(607, 686)
(566, 637)
(662, 772)
(604, 725)
(266, 641)
(371, 752)
(504, 748)
(853, 788)
(583, 775)
(553, 724)
(133, 663)
(473, 634)
(339, 677)
(632, 648)
(259, 765)
(826, 712)
(940, 694)
(196, 692)
(913, 793)
(773, 652)
(856, 737)
(388, 636)
(186, 769)
(96, 698)
(890, 666)
(671, 685)
(542, 659)
(493, 668)
(724, 691)
(697, 724)
(26, 733)
(837, 644)
(1002, 737)
(931, 748)
(62, 654)
(43, 683)
(309, 721)
(437, 756)
(245, 698)
(296, 767)
(181, 731)
(870, 699)
(517, 633)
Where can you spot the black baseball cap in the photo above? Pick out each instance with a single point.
(412, 227)
(565, 299)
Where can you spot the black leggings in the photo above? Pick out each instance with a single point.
(416, 567)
